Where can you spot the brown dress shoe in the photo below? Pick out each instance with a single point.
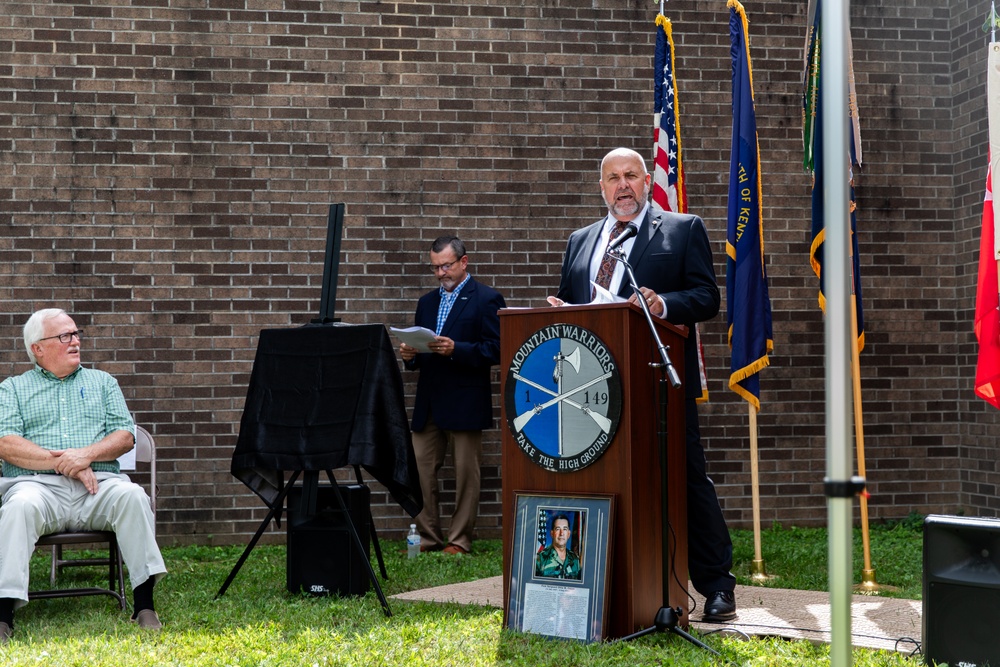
(454, 549)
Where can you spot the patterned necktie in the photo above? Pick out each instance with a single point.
(608, 263)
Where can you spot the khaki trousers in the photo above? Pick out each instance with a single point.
(429, 447)
(35, 505)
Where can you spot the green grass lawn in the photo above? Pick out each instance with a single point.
(258, 623)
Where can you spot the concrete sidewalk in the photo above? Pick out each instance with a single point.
(877, 622)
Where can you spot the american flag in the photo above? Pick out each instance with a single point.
(669, 193)
(543, 528)
(668, 173)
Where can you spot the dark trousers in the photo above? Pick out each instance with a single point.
(710, 550)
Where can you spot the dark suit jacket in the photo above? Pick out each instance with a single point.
(456, 390)
(671, 255)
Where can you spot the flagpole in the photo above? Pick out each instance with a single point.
(996, 228)
(867, 574)
(868, 583)
(994, 129)
(839, 485)
(757, 570)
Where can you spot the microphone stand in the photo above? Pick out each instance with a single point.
(667, 617)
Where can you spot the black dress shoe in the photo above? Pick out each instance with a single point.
(720, 606)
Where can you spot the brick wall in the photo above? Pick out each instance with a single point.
(166, 169)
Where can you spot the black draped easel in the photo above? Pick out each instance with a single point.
(322, 397)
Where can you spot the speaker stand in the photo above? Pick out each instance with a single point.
(666, 621)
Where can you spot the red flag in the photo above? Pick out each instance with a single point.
(987, 323)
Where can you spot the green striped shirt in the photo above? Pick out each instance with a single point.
(55, 414)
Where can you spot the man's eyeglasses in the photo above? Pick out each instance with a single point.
(65, 337)
(442, 267)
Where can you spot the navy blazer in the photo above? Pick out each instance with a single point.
(672, 256)
(456, 390)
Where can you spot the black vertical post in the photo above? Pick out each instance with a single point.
(331, 264)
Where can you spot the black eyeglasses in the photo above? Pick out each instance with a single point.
(65, 337)
(442, 267)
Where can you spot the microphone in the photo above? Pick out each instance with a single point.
(629, 231)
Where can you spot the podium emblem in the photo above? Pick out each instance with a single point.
(563, 397)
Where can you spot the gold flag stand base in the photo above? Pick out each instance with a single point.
(757, 572)
(869, 586)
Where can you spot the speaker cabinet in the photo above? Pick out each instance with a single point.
(961, 590)
(321, 556)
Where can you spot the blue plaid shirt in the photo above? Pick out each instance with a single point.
(448, 300)
(55, 414)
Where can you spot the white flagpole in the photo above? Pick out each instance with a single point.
(993, 107)
(839, 464)
(993, 94)
(993, 102)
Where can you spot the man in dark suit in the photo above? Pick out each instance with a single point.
(454, 397)
(672, 260)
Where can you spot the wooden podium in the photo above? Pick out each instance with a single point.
(628, 469)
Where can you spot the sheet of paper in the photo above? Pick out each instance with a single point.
(602, 295)
(415, 337)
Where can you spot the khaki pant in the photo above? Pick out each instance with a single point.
(36, 505)
(429, 447)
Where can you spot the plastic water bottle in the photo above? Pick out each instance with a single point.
(413, 542)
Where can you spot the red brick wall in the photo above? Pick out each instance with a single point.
(166, 169)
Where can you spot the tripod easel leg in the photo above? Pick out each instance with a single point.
(358, 545)
(279, 502)
(371, 527)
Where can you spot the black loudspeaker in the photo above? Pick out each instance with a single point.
(961, 591)
(321, 556)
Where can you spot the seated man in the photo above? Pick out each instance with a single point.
(62, 427)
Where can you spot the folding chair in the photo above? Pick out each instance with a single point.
(144, 452)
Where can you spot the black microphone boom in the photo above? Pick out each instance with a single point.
(629, 231)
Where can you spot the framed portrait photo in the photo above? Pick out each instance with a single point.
(559, 565)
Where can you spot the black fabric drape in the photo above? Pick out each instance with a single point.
(322, 397)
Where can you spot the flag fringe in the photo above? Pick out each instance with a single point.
(817, 267)
(747, 371)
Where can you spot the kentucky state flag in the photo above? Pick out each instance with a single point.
(748, 306)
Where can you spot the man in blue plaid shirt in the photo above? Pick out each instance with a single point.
(454, 400)
(62, 427)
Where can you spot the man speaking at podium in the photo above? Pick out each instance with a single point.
(671, 257)
(454, 395)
